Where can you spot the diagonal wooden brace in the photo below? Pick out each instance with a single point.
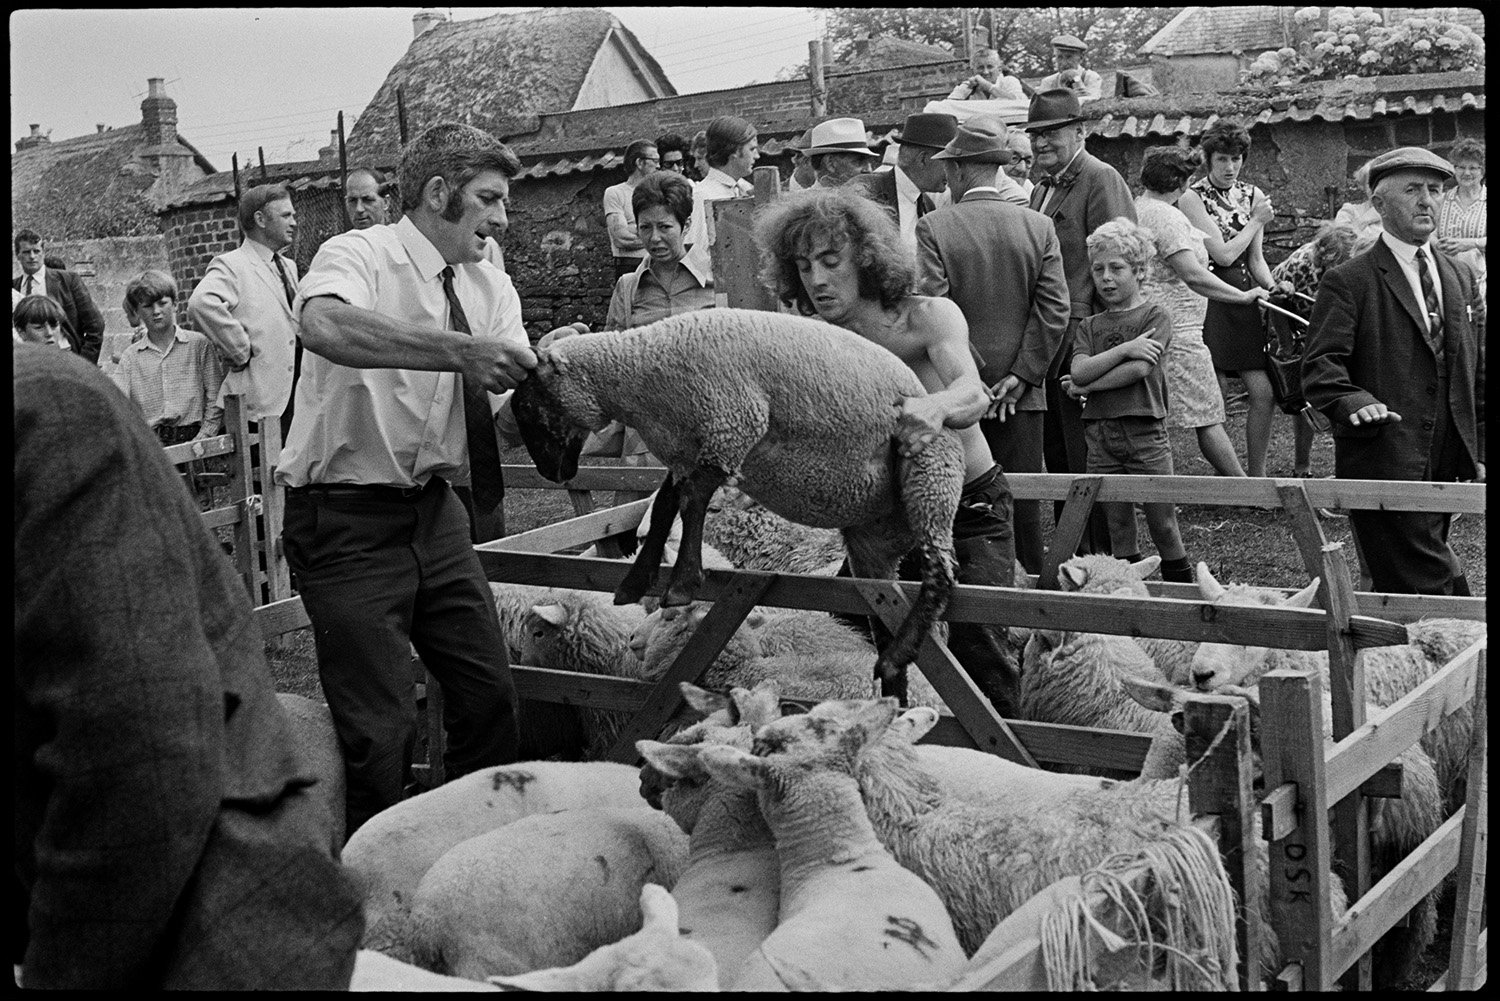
(702, 647)
(969, 705)
(1070, 529)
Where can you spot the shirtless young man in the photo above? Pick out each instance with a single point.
(837, 255)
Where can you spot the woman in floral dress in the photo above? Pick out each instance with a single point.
(1462, 221)
(1232, 214)
(1178, 279)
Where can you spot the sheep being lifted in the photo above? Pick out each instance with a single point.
(799, 414)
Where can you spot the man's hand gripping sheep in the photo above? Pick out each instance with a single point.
(800, 415)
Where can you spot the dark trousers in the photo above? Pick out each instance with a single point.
(1407, 552)
(375, 574)
(1016, 444)
(1066, 451)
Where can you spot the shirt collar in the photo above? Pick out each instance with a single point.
(179, 336)
(259, 249)
(906, 188)
(691, 266)
(718, 176)
(981, 187)
(1405, 252)
(1065, 176)
(423, 254)
(40, 276)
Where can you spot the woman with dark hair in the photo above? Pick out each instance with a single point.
(1462, 219)
(665, 283)
(1232, 214)
(1178, 279)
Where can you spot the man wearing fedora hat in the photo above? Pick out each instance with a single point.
(1079, 193)
(1392, 360)
(839, 151)
(1067, 56)
(803, 175)
(1002, 265)
(908, 191)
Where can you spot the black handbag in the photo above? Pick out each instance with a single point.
(1286, 341)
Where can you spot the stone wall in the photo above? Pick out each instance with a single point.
(557, 249)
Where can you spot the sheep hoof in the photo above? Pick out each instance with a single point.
(677, 595)
(632, 589)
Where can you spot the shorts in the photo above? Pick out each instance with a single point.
(1128, 445)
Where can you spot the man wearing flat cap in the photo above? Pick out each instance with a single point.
(1001, 263)
(1067, 56)
(1079, 193)
(908, 191)
(1393, 360)
(839, 151)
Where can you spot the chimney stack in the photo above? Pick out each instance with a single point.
(158, 115)
(35, 139)
(425, 20)
(99, 128)
(330, 154)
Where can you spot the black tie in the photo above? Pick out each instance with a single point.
(1430, 299)
(484, 450)
(286, 281)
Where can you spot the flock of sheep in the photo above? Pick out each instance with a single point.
(824, 850)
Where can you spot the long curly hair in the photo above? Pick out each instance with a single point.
(794, 224)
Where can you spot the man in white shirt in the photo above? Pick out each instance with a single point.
(916, 184)
(1392, 360)
(641, 159)
(990, 82)
(732, 149)
(410, 333)
(1067, 55)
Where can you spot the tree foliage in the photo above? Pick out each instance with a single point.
(1022, 35)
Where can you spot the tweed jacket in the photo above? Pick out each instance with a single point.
(1002, 265)
(1093, 193)
(1367, 345)
(241, 306)
(165, 836)
(83, 323)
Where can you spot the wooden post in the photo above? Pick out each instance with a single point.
(401, 114)
(273, 509)
(234, 163)
(241, 489)
(817, 79)
(1351, 825)
(1307, 531)
(260, 151)
(1291, 728)
(344, 175)
(1070, 529)
(697, 656)
(966, 39)
(1220, 784)
(735, 257)
(1464, 963)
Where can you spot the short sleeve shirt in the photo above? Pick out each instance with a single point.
(617, 202)
(1098, 333)
(391, 426)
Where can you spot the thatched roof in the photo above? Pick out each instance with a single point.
(492, 72)
(89, 187)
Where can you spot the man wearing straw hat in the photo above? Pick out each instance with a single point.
(1079, 193)
(839, 151)
(1392, 360)
(907, 191)
(1001, 264)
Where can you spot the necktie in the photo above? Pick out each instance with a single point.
(31, 285)
(484, 450)
(1429, 296)
(286, 281)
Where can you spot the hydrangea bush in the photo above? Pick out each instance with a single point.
(1354, 42)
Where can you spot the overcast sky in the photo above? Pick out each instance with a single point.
(277, 77)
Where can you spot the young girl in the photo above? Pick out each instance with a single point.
(39, 320)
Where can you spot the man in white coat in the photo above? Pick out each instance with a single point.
(244, 305)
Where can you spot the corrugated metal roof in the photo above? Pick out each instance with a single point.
(1332, 108)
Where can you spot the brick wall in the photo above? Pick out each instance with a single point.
(195, 235)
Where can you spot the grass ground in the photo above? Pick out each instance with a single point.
(1240, 544)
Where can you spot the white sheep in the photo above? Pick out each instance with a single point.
(1398, 826)
(1390, 671)
(1078, 679)
(542, 891)
(375, 971)
(729, 894)
(799, 414)
(848, 910)
(1099, 574)
(656, 958)
(317, 744)
(392, 851)
(754, 537)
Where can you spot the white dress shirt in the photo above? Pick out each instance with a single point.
(391, 426)
(1406, 256)
(700, 235)
(34, 284)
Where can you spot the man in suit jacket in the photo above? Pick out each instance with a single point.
(1002, 265)
(244, 305)
(1079, 193)
(84, 324)
(166, 834)
(1393, 360)
(906, 191)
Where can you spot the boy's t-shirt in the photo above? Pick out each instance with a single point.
(1098, 333)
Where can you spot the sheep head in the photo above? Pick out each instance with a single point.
(554, 439)
(1216, 665)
